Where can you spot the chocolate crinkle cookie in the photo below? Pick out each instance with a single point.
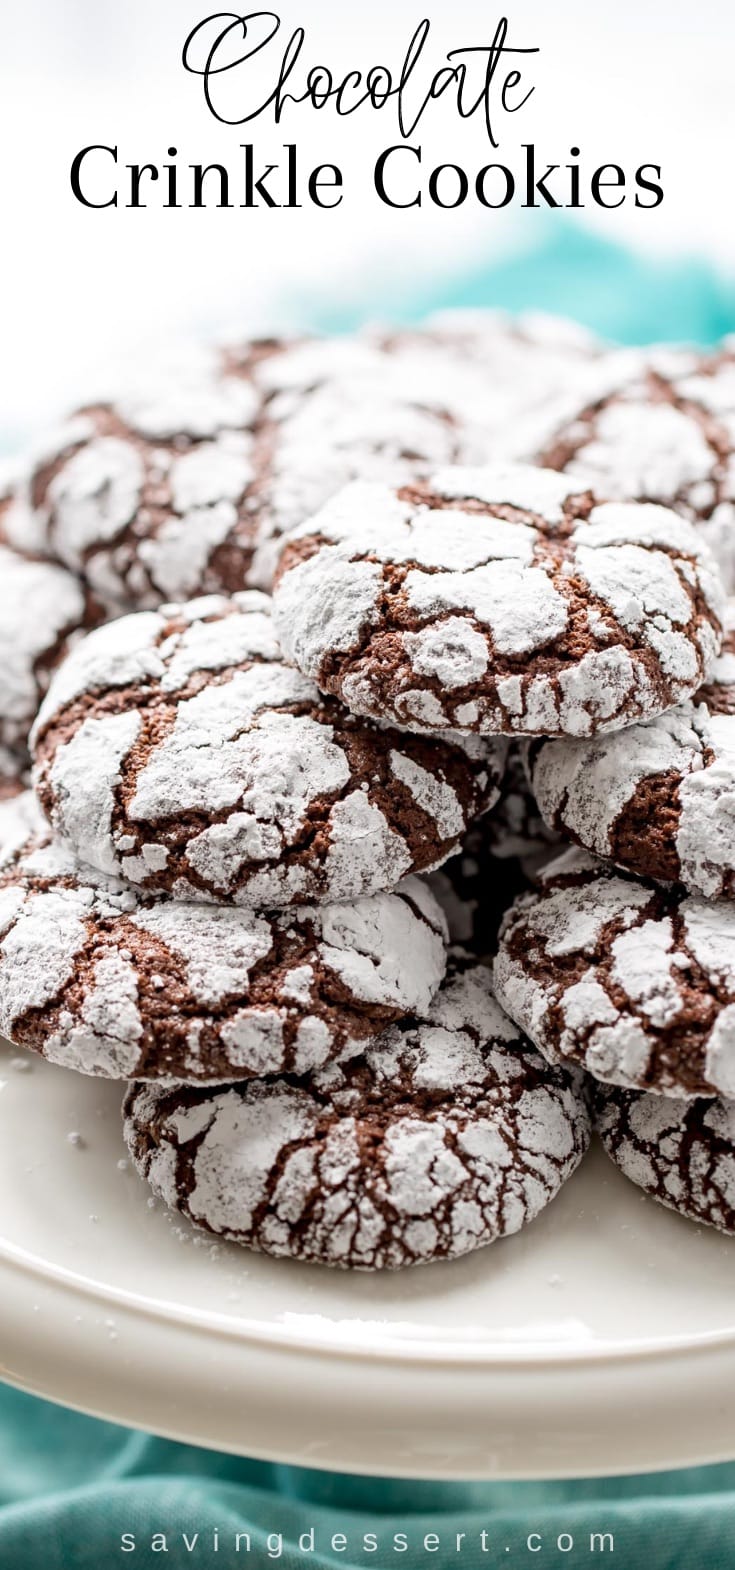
(98, 978)
(146, 494)
(658, 798)
(633, 981)
(184, 482)
(499, 600)
(178, 750)
(449, 1133)
(389, 405)
(680, 1154)
(43, 609)
(658, 425)
(378, 407)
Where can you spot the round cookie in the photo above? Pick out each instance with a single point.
(660, 426)
(634, 981)
(176, 749)
(494, 600)
(389, 405)
(185, 482)
(683, 1155)
(147, 493)
(182, 484)
(658, 798)
(375, 407)
(449, 1133)
(43, 609)
(100, 979)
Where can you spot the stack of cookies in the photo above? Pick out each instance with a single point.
(223, 885)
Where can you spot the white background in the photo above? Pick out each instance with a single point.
(631, 81)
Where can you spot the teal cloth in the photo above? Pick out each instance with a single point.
(615, 292)
(70, 1487)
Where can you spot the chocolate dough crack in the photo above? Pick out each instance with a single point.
(633, 981)
(680, 1154)
(104, 980)
(449, 1133)
(660, 426)
(657, 798)
(177, 749)
(497, 600)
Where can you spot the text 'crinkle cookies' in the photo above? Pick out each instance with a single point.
(178, 750)
(497, 600)
(658, 798)
(99, 978)
(449, 1133)
(681, 1154)
(633, 981)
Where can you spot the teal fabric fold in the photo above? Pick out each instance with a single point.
(77, 1494)
(622, 295)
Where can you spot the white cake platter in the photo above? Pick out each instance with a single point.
(601, 1339)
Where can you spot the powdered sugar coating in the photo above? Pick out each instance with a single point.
(338, 409)
(177, 750)
(42, 609)
(496, 600)
(659, 426)
(106, 981)
(449, 1133)
(634, 981)
(658, 798)
(146, 494)
(684, 1156)
(390, 405)
(184, 481)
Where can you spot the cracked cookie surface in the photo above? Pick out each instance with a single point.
(98, 978)
(146, 494)
(183, 483)
(498, 600)
(43, 610)
(631, 980)
(681, 1155)
(659, 426)
(657, 798)
(176, 749)
(449, 1133)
